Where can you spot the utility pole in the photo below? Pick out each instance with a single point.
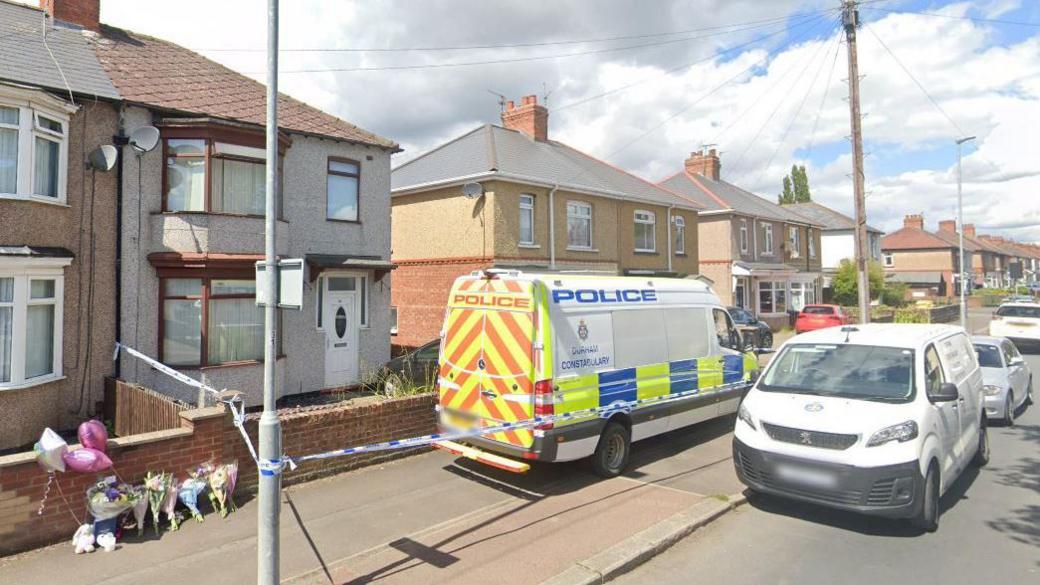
(850, 20)
(960, 220)
(269, 493)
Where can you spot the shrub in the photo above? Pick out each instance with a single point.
(894, 294)
(389, 384)
(912, 315)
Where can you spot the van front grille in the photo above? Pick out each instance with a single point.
(835, 441)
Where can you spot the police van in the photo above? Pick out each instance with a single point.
(515, 346)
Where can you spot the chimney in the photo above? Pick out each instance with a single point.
(969, 230)
(914, 220)
(529, 118)
(948, 225)
(82, 13)
(705, 164)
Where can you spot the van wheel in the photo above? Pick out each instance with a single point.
(927, 518)
(612, 452)
(1009, 410)
(981, 457)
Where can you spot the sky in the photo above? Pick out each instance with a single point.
(766, 82)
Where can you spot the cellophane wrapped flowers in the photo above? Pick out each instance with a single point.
(108, 499)
(221, 487)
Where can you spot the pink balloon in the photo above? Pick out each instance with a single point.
(92, 434)
(87, 460)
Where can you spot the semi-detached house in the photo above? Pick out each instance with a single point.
(545, 206)
(760, 256)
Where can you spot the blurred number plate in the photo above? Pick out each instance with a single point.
(805, 476)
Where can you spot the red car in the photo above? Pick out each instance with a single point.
(815, 317)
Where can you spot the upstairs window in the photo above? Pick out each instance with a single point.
(343, 187)
(743, 237)
(680, 234)
(795, 244)
(33, 153)
(889, 259)
(810, 242)
(205, 175)
(527, 220)
(579, 225)
(645, 231)
(768, 239)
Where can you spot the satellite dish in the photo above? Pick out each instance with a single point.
(472, 190)
(103, 158)
(144, 139)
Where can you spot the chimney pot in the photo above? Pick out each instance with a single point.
(914, 220)
(707, 165)
(529, 118)
(948, 225)
(969, 230)
(82, 13)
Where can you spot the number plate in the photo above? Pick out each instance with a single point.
(806, 476)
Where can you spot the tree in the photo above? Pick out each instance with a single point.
(846, 287)
(788, 195)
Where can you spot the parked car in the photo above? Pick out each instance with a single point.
(879, 419)
(1018, 299)
(419, 366)
(1019, 322)
(813, 317)
(1007, 379)
(748, 323)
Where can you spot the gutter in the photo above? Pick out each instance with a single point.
(552, 227)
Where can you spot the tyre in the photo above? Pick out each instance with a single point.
(1009, 410)
(927, 518)
(613, 451)
(981, 457)
(767, 339)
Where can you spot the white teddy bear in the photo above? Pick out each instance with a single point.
(83, 540)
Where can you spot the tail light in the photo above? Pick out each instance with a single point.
(544, 401)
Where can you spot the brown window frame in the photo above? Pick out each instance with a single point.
(329, 171)
(210, 136)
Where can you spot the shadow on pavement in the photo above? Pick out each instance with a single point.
(1023, 524)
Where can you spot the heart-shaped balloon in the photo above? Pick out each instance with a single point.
(87, 460)
(92, 434)
(49, 451)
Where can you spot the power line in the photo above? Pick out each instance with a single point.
(512, 59)
(823, 100)
(935, 103)
(669, 71)
(700, 99)
(515, 45)
(957, 17)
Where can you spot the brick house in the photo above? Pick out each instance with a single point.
(57, 226)
(545, 207)
(927, 262)
(837, 237)
(760, 256)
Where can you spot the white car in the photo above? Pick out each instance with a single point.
(1019, 322)
(878, 419)
(1007, 379)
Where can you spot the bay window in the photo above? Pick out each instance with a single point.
(802, 293)
(33, 145)
(212, 176)
(772, 297)
(645, 231)
(30, 326)
(210, 321)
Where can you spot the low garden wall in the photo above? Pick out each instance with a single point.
(203, 434)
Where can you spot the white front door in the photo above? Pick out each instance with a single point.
(341, 338)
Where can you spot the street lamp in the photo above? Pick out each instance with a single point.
(960, 232)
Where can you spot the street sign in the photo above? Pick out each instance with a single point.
(290, 284)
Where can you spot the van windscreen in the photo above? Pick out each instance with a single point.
(860, 372)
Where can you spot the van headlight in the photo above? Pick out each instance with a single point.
(902, 432)
(990, 390)
(745, 415)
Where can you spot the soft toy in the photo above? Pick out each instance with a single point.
(107, 541)
(83, 540)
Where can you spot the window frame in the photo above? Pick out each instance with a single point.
(793, 240)
(744, 239)
(23, 273)
(363, 289)
(30, 105)
(580, 205)
(649, 219)
(774, 287)
(526, 207)
(767, 239)
(357, 176)
(680, 235)
(810, 243)
(888, 259)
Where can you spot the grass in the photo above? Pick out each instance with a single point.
(389, 384)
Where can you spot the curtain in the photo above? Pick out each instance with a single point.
(182, 331)
(6, 327)
(186, 178)
(236, 330)
(8, 159)
(39, 340)
(45, 168)
(239, 187)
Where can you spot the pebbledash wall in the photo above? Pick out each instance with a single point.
(205, 434)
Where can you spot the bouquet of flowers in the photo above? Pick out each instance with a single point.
(169, 505)
(193, 486)
(221, 487)
(108, 499)
(141, 507)
(155, 486)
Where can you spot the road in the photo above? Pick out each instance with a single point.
(989, 532)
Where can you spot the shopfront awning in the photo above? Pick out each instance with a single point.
(319, 263)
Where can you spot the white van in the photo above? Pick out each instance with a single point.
(878, 419)
(518, 345)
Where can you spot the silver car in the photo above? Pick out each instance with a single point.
(1007, 378)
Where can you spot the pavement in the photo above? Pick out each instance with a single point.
(989, 531)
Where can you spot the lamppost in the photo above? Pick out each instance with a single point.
(960, 234)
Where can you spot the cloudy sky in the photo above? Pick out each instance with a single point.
(642, 83)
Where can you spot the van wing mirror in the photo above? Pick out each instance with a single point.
(947, 392)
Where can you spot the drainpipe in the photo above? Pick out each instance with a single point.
(552, 226)
(121, 141)
(669, 236)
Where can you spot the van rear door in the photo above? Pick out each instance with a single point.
(487, 371)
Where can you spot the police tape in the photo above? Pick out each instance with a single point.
(606, 411)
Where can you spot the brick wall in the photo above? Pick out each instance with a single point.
(420, 293)
(204, 434)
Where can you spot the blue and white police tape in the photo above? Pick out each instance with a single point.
(602, 411)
